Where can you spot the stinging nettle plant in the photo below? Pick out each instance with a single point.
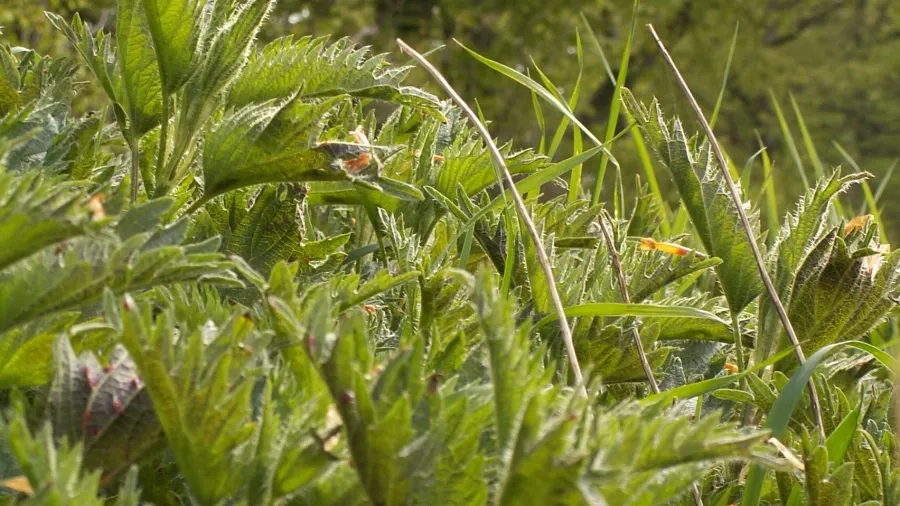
(241, 283)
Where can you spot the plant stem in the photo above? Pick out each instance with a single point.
(163, 138)
(520, 207)
(757, 255)
(135, 168)
(616, 262)
(742, 365)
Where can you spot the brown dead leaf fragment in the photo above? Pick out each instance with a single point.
(95, 206)
(857, 223)
(18, 484)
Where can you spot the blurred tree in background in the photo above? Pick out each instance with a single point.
(837, 58)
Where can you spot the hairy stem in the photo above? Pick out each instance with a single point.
(520, 207)
(742, 214)
(616, 262)
(135, 168)
(163, 138)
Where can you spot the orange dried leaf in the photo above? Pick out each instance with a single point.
(649, 244)
(18, 484)
(857, 223)
(95, 206)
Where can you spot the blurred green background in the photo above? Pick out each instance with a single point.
(839, 60)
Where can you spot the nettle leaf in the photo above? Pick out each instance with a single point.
(105, 408)
(839, 293)
(36, 212)
(290, 453)
(200, 380)
(611, 350)
(142, 88)
(40, 136)
(537, 458)
(643, 459)
(272, 142)
(314, 68)
(707, 200)
(468, 163)
(259, 225)
(97, 51)
(825, 483)
(694, 329)
(802, 230)
(26, 352)
(50, 282)
(228, 46)
(396, 455)
(652, 271)
(177, 27)
(26, 77)
(53, 473)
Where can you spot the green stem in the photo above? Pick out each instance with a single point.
(135, 168)
(738, 343)
(163, 139)
(739, 351)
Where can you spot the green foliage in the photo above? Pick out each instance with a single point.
(702, 189)
(322, 297)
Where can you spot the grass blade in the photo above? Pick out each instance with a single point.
(617, 309)
(813, 154)
(520, 208)
(769, 189)
(616, 104)
(748, 229)
(839, 441)
(715, 114)
(789, 140)
(780, 414)
(542, 92)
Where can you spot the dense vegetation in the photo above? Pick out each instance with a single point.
(278, 274)
(810, 81)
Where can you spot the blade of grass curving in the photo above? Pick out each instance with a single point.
(839, 440)
(769, 186)
(780, 414)
(616, 262)
(616, 104)
(748, 229)
(520, 208)
(813, 153)
(650, 174)
(617, 309)
(542, 92)
(572, 102)
(539, 115)
(643, 153)
(715, 114)
(867, 190)
(577, 142)
(789, 140)
(599, 48)
(807, 139)
(512, 233)
(884, 181)
(699, 388)
(575, 178)
(530, 183)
